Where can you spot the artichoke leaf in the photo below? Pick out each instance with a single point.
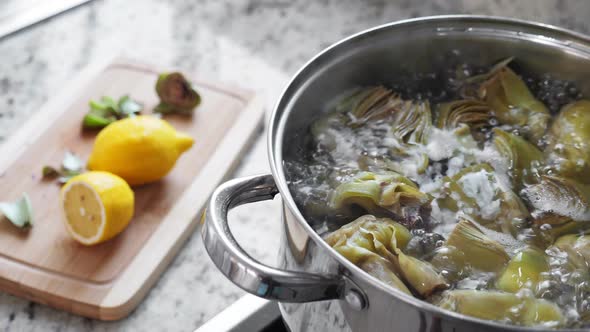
(514, 104)
(523, 157)
(568, 151)
(500, 306)
(523, 270)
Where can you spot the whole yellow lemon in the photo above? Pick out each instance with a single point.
(140, 149)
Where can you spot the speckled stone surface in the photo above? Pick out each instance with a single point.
(256, 44)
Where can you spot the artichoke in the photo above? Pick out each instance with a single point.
(412, 123)
(375, 244)
(578, 249)
(475, 114)
(370, 104)
(411, 126)
(176, 94)
(370, 243)
(568, 152)
(477, 192)
(499, 306)
(479, 251)
(378, 235)
(469, 86)
(523, 270)
(562, 206)
(523, 157)
(513, 103)
(379, 192)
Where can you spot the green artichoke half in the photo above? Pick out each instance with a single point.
(568, 152)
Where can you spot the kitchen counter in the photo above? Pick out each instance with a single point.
(256, 44)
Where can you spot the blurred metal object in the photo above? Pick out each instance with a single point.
(19, 14)
(249, 313)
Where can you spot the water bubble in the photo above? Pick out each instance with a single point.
(545, 227)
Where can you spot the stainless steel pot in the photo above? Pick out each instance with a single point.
(318, 289)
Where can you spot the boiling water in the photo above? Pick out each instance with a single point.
(312, 180)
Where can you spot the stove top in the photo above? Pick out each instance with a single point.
(250, 313)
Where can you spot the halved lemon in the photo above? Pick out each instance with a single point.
(96, 206)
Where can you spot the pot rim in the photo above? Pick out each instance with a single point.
(277, 126)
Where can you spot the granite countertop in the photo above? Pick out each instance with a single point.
(256, 44)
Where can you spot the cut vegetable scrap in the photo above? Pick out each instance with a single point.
(19, 213)
(176, 94)
(107, 110)
(70, 167)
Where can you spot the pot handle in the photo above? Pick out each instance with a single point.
(252, 276)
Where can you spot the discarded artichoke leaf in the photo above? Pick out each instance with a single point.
(514, 104)
(128, 106)
(578, 249)
(523, 271)
(376, 192)
(568, 151)
(95, 121)
(19, 213)
(70, 167)
(477, 192)
(71, 163)
(49, 172)
(499, 306)
(176, 94)
(107, 110)
(523, 157)
(106, 104)
(480, 252)
(421, 276)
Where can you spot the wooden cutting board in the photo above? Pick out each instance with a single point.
(107, 281)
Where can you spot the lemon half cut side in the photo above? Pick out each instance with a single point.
(96, 206)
